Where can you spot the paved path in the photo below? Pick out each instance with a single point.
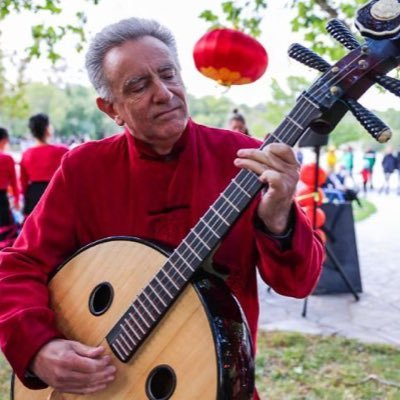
(376, 316)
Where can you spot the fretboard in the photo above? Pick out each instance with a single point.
(155, 299)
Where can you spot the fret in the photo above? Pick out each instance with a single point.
(294, 122)
(155, 292)
(219, 215)
(138, 325)
(165, 290)
(151, 301)
(138, 308)
(242, 190)
(192, 251)
(307, 98)
(145, 309)
(275, 137)
(125, 341)
(184, 261)
(170, 279)
(199, 238)
(209, 228)
(178, 271)
(122, 347)
(230, 203)
(132, 328)
(128, 334)
(115, 347)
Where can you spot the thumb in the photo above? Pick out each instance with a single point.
(87, 351)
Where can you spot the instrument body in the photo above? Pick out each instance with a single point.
(200, 349)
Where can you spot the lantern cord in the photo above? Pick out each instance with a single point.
(222, 89)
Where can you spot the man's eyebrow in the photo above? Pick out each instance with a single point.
(166, 66)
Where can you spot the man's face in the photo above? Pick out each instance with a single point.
(148, 92)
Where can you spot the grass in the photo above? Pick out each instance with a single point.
(363, 212)
(5, 374)
(293, 366)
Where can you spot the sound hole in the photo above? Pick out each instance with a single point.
(161, 383)
(101, 298)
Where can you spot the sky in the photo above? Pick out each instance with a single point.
(182, 17)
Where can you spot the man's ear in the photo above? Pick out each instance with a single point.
(108, 108)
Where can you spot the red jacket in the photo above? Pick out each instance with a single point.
(117, 186)
(39, 163)
(8, 176)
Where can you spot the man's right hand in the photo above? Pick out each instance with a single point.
(72, 367)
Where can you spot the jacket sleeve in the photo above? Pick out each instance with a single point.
(23, 175)
(47, 238)
(293, 271)
(14, 182)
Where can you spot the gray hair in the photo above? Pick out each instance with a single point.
(115, 35)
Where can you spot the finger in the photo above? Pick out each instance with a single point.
(282, 151)
(267, 159)
(82, 390)
(89, 365)
(87, 351)
(79, 379)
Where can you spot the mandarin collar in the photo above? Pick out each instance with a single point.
(143, 150)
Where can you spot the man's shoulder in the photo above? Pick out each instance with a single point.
(95, 152)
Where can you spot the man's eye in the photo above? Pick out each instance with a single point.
(138, 88)
(170, 74)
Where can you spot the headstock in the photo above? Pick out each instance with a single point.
(338, 89)
(379, 18)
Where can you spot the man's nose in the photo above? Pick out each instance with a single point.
(162, 92)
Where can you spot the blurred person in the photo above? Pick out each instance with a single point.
(8, 179)
(348, 161)
(369, 160)
(335, 188)
(331, 159)
(147, 182)
(237, 122)
(389, 165)
(398, 171)
(39, 162)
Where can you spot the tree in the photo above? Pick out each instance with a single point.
(47, 35)
(310, 19)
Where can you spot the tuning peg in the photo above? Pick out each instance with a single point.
(375, 127)
(390, 84)
(308, 57)
(339, 31)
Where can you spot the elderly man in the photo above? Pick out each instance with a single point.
(154, 180)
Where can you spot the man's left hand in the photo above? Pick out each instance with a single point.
(278, 168)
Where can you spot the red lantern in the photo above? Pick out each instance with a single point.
(230, 57)
(307, 175)
(320, 216)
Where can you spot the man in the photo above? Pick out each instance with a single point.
(154, 181)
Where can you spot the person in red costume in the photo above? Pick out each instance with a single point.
(8, 179)
(154, 180)
(39, 162)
